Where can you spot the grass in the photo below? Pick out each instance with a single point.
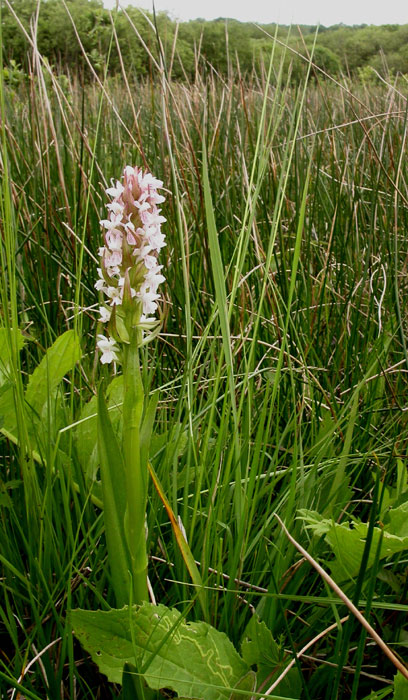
(281, 364)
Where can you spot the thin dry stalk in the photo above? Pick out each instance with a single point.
(371, 631)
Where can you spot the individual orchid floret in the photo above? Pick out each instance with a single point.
(104, 314)
(115, 191)
(129, 274)
(108, 348)
(149, 301)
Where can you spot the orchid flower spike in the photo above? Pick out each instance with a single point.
(129, 274)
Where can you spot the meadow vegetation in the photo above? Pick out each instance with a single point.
(368, 51)
(281, 365)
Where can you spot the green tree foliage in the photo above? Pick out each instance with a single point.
(219, 45)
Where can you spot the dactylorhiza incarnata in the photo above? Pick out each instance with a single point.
(129, 275)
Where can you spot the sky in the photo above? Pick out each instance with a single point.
(326, 12)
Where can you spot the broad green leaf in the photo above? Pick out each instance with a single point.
(347, 541)
(193, 659)
(8, 426)
(59, 359)
(400, 687)
(42, 386)
(247, 684)
(348, 546)
(258, 648)
(398, 520)
(315, 522)
(114, 501)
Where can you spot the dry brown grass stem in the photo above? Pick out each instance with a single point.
(333, 585)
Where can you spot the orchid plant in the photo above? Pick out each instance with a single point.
(129, 277)
(146, 647)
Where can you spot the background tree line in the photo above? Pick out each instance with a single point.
(220, 45)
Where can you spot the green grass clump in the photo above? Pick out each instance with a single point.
(281, 364)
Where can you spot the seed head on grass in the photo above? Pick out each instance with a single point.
(129, 275)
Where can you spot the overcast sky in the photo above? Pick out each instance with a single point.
(325, 12)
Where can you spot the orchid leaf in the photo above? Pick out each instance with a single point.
(114, 501)
(86, 429)
(147, 427)
(59, 359)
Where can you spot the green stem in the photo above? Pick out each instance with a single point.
(136, 472)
